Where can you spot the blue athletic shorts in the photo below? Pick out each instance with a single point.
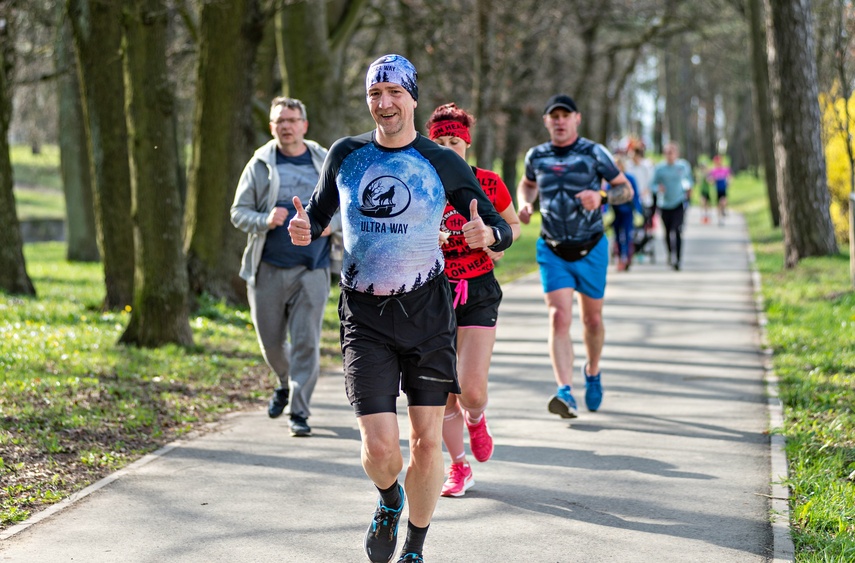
(587, 276)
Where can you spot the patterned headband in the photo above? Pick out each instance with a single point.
(450, 128)
(395, 69)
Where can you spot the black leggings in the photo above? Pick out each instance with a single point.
(672, 220)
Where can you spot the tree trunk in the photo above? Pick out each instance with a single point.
(97, 41)
(801, 177)
(711, 142)
(13, 270)
(160, 312)
(581, 95)
(739, 148)
(511, 152)
(668, 79)
(658, 123)
(81, 234)
(688, 117)
(223, 138)
(267, 82)
(762, 105)
(484, 84)
(310, 50)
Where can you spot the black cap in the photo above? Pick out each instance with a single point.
(562, 101)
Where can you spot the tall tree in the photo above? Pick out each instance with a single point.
(97, 42)
(740, 147)
(13, 270)
(81, 234)
(762, 104)
(591, 18)
(160, 308)
(312, 37)
(799, 158)
(223, 140)
(484, 83)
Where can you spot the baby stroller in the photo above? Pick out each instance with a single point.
(642, 239)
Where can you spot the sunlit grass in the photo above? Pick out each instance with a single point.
(811, 328)
(38, 186)
(39, 204)
(74, 405)
(36, 170)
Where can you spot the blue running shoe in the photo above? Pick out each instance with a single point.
(593, 390)
(411, 558)
(563, 404)
(382, 535)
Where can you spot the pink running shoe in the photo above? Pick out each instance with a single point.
(459, 480)
(480, 439)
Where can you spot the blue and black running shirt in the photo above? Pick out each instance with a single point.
(563, 172)
(392, 202)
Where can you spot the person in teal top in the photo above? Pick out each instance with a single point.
(673, 180)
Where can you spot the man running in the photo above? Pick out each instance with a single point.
(567, 173)
(397, 321)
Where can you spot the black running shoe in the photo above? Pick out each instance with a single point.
(382, 535)
(299, 426)
(411, 558)
(278, 402)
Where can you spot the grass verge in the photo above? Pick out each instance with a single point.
(811, 329)
(74, 406)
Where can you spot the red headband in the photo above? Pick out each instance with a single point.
(450, 128)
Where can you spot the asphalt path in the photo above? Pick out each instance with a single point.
(675, 467)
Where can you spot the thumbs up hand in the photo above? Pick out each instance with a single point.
(476, 233)
(299, 227)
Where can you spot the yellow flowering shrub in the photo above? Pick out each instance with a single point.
(837, 159)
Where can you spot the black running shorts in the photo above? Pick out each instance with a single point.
(398, 342)
(477, 303)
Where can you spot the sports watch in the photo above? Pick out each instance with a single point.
(497, 234)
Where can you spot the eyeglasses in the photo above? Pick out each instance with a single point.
(288, 120)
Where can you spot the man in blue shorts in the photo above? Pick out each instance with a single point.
(398, 326)
(568, 175)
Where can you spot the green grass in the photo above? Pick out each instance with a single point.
(519, 258)
(811, 329)
(75, 406)
(39, 204)
(38, 186)
(36, 170)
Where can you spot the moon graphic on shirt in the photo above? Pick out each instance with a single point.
(385, 196)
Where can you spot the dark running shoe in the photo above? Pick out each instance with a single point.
(411, 558)
(382, 535)
(299, 426)
(277, 403)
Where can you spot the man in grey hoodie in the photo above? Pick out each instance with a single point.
(287, 285)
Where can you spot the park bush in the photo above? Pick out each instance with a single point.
(837, 160)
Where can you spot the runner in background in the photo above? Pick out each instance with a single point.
(720, 176)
